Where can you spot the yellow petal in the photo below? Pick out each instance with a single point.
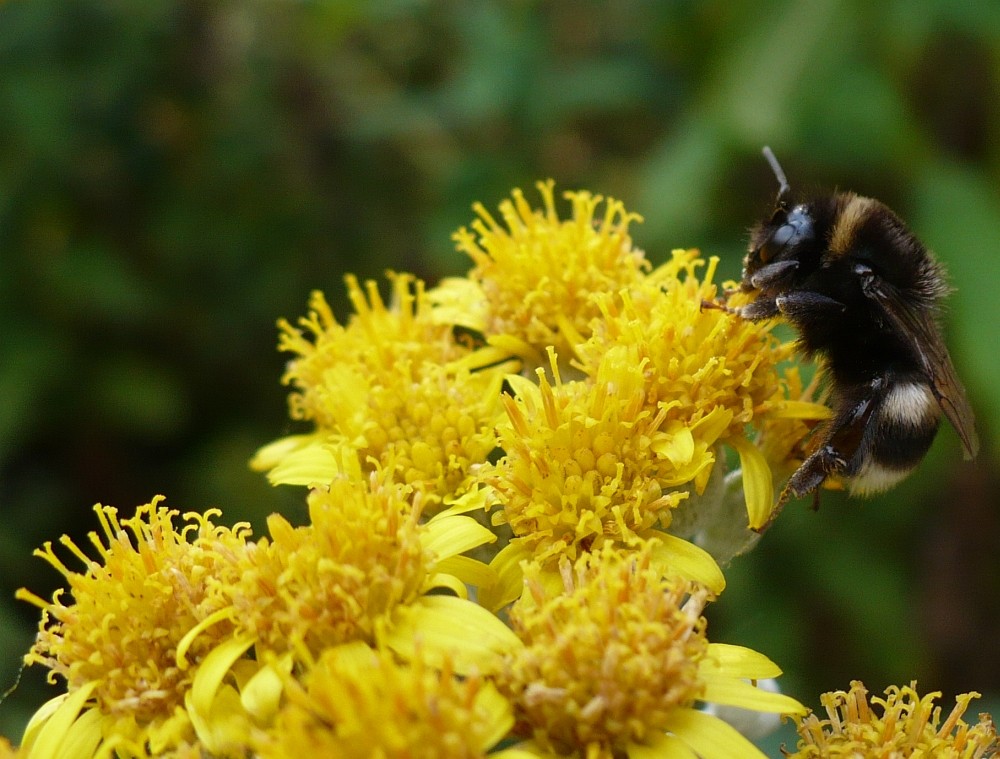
(448, 582)
(261, 695)
(732, 692)
(225, 730)
(473, 500)
(677, 446)
(758, 489)
(313, 465)
(676, 556)
(523, 387)
(525, 750)
(468, 570)
(273, 453)
(801, 410)
(521, 753)
(83, 736)
(510, 579)
(738, 661)
(471, 636)
(709, 427)
(497, 711)
(213, 670)
(459, 301)
(452, 535)
(515, 347)
(710, 737)
(660, 746)
(46, 740)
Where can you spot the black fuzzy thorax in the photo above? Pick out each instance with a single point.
(858, 344)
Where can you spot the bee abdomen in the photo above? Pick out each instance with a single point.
(906, 421)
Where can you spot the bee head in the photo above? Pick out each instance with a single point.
(787, 230)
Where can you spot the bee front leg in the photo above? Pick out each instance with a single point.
(807, 303)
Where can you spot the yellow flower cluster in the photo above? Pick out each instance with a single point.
(487, 568)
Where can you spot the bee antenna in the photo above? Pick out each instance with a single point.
(779, 173)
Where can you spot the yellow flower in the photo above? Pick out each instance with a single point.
(358, 703)
(700, 363)
(536, 276)
(393, 389)
(361, 571)
(903, 724)
(116, 644)
(614, 661)
(364, 570)
(589, 463)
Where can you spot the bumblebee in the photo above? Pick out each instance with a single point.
(863, 294)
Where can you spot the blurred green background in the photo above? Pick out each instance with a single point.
(176, 174)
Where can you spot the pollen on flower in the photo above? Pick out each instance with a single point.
(697, 360)
(359, 703)
(330, 581)
(377, 339)
(587, 462)
(150, 586)
(536, 275)
(393, 388)
(902, 724)
(607, 658)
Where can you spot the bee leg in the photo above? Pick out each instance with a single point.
(773, 274)
(760, 309)
(807, 479)
(715, 305)
(806, 303)
(839, 451)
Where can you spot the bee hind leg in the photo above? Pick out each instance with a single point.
(807, 479)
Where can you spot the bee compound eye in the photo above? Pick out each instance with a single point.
(782, 235)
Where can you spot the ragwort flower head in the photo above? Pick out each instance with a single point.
(393, 389)
(361, 570)
(358, 703)
(615, 659)
(587, 461)
(696, 359)
(713, 376)
(903, 724)
(330, 581)
(536, 276)
(131, 609)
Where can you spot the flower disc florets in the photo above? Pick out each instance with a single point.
(132, 607)
(536, 276)
(901, 725)
(358, 704)
(607, 657)
(330, 581)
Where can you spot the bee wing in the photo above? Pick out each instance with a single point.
(924, 337)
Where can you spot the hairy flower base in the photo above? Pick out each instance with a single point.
(903, 724)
